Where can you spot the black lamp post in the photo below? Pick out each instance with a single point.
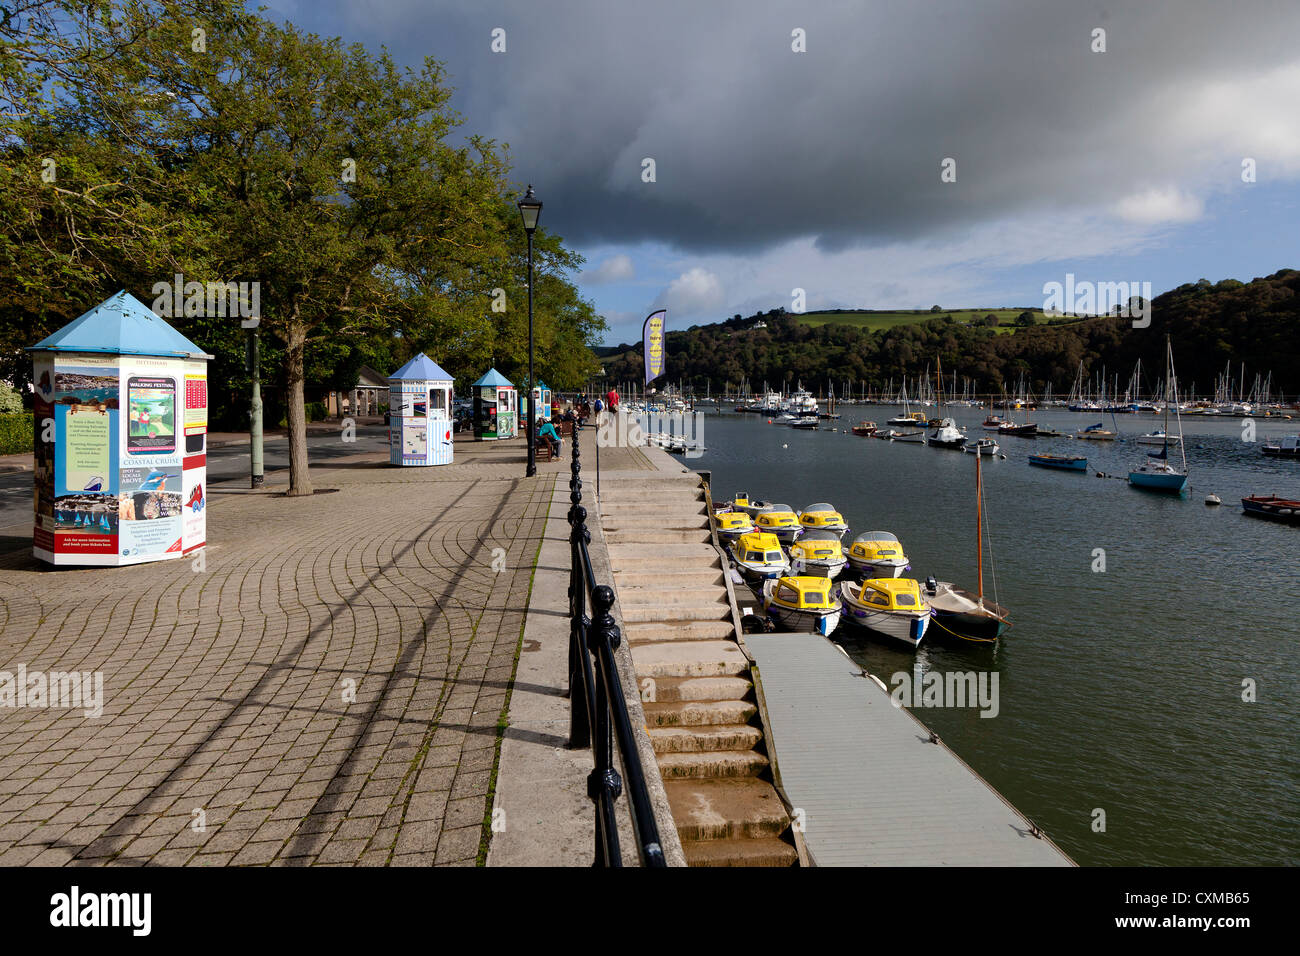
(530, 210)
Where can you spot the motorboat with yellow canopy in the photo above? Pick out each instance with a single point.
(878, 554)
(779, 520)
(823, 517)
(750, 506)
(818, 553)
(758, 556)
(733, 524)
(893, 607)
(802, 604)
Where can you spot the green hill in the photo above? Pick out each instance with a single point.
(875, 321)
(1211, 324)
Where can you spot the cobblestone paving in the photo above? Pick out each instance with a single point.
(224, 688)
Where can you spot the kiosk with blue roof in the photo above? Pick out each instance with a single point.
(121, 407)
(494, 407)
(419, 423)
(541, 401)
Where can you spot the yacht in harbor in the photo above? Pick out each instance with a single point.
(1158, 473)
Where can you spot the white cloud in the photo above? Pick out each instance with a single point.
(694, 292)
(617, 268)
(1153, 206)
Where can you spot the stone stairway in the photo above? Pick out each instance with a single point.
(695, 681)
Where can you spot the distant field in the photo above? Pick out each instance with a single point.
(875, 321)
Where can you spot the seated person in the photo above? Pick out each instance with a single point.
(547, 431)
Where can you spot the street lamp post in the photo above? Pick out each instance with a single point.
(530, 209)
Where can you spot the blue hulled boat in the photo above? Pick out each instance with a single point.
(1064, 462)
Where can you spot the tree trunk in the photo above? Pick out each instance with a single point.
(299, 478)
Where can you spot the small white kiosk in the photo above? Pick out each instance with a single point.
(419, 407)
(121, 406)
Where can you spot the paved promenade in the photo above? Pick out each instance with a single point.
(325, 687)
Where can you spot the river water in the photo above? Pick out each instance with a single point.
(1120, 690)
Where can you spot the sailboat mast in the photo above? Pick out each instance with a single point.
(979, 522)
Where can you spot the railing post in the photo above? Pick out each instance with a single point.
(579, 536)
(604, 785)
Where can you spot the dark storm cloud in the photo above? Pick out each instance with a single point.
(755, 144)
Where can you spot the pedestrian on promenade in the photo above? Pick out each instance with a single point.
(613, 400)
(547, 431)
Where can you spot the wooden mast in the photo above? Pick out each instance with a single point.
(979, 523)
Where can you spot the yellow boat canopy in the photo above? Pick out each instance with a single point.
(820, 515)
(741, 500)
(896, 594)
(876, 545)
(821, 549)
(758, 547)
(776, 516)
(803, 592)
(734, 521)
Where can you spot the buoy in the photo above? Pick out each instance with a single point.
(785, 446)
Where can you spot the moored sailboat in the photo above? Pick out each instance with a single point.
(1158, 473)
(957, 611)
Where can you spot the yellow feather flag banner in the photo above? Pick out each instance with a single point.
(652, 335)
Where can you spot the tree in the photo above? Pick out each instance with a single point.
(1025, 319)
(261, 153)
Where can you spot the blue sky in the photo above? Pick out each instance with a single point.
(819, 168)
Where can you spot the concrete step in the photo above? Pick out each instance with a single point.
(647, 499)
(654, 509)
(725, 763)
(670, 598)
(634, 612)
(639, 523)
(676, 577)
(726, 809)
(631, 558)
(671, 690)
(689, 659)
(695, 536)
(704, 738)
(655, 632)
(697, 713)
(766, 851)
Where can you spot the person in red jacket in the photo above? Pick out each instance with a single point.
(613, 400)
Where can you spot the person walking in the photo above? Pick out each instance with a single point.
(613, 400)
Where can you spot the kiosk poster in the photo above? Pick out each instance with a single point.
(415, 433)
(193, 521)
(149, 509)
(151, 413)
(85, 518)
(196, 398)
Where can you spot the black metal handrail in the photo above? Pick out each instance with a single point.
(596, 696)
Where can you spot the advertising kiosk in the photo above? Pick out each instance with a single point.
(541, 401)
(419, 405)
(121, 409)
(494, 407)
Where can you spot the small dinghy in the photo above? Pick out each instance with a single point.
(982, 446)
(878, 554)
(802, 604)
(818, 554)
(733, 524)
(758, 556)
(889, 606)
(779, 520)
(823, 517)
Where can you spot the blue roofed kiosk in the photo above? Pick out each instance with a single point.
(121, 409)
(419, 405)
(495, 407)
(541, 401)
